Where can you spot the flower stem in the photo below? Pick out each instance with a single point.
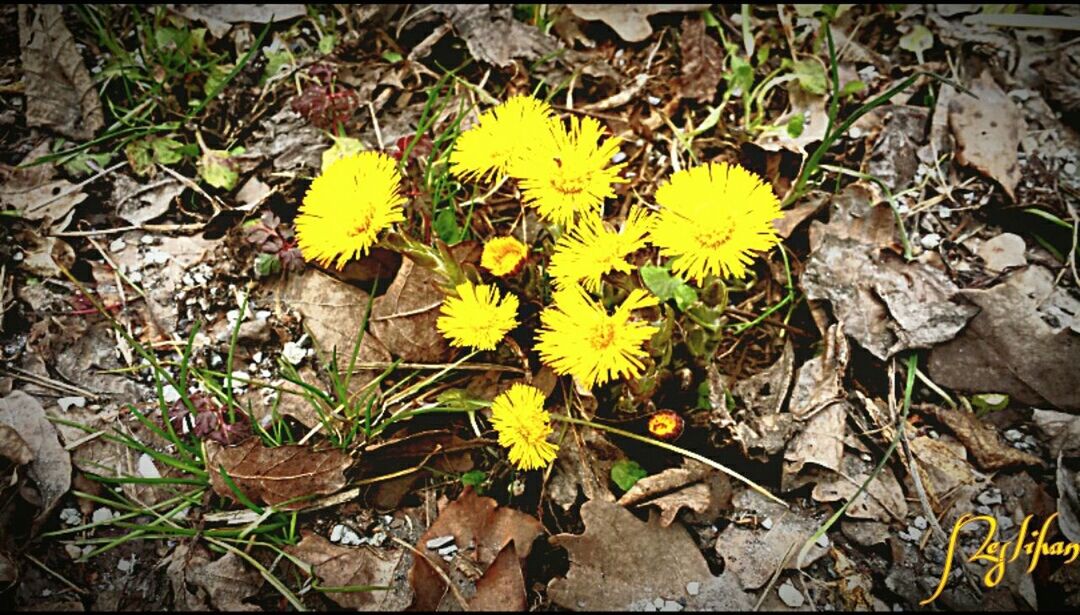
(674, 449)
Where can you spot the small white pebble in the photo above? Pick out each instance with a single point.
(101, 515)
(336, 533)
(73, 551)
(790, 596)
(693, 588)
(766, 523)
(653, 100)
(117, 245)
(823, 541)
(126, 565)
(618, 157)
(66, 403)
(658, 602)
(293, 353)
(257, 357)
(146, 240)
(930, 241)
(920, 522)
(169, 393)
(670, 606)
(147, 469)
(70, 516)
(439, 542)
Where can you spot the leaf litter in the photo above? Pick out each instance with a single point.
(921, 267)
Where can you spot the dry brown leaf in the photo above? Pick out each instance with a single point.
(815, 120)
(1021, 344)
(59, 92)
(820, 381)
(702, 61)
(43, 254)
(333, 312)
(222, 584)
(493, 35)
(404, 318)
(754, 553)
(820, 442)
(338, 566)
(893, 158)
(759, 425)
(275, 475)
(941, 467)
(13, 447)
(980, 439)
(139, 202)
(988, 130)
(696, 486)
(52, 199)
(583, 467)
(630, 21)
(620, 563)
(798, 214)
(50, 468)
(883, 500)
(502, 588)
(887, 305)
(473, 521)
(219, 18)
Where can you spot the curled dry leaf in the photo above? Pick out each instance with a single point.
(1023, 343)
(702, 61)
(696, 486)
(988, 132)
(338, 566)
(620, 563)
(13, 447)
(583, 465)
(893, 159)
(50, 467)
(883, 499)
(502, 588)
(35, 194)
(760, 427)
(276, 475)
(43, 255)
(219, 18)
(481, 530)
(943, 466)
(980, 439)
(630, 21)
(201, 584)
(887, 305)
(59, 92)
(493, 35)
(138, 202)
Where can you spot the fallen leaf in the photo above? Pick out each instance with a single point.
(942, 468)
(219, 18)
(820, 442)
(493, 35)
(1068, 485)
(582, 467)
(805, 123)
(42, 254)
(1019, 344)
(798, 214)
(820, 381)
(702, 61)
(53, 200)
(760, 426)
(338, 566)
(139, 202)
(1002, 252)
(333, 313)
(893, 158)
(289, 141)
(221, 584)
(13, 447)
(276, 475)
(50, 468)
(630, 21)
(59, 92)
(1061, 429)
(887, 305)
(988, 130)
(695, 486)
(502, 588)
(473, 521)
(883, 500)
(620, 563)
(980, 439)
(917, 40)
(404, 318)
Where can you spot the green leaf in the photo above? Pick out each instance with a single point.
(741, 76)
(917, 41)
(666, 286)
(79, 165)
(989, 402)
(267, 264)
(811, 76)
(392, 57)
(217, 170)
(474, 479)
(326, 44)
(795, 125)
(140, 156)
(166, 150)
(275, 61)
(447, 228)
(626, 472)
(215, 77)
(851, 88)
(342, 147)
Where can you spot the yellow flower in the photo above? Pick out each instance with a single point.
(497, 139)
(568, 173)
(502, 255)
(579, 338)
(346, 206)
(589, 251)
(478, 317)
(712, 217)
(523, 425)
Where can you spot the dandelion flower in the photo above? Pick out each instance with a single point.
(568, 173)
(496, 140)
(478, 317)
(523, 425)
(347, 206)
(712, 218)
(579, 338)
(503, 255)
(590, 250)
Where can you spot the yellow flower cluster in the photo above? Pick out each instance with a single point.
(709, 219)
